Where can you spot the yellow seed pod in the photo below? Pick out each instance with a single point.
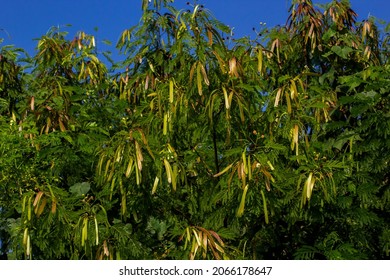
(170, 91)
(168, 170)
(165, 124)
(227, 103)
(155, 184)
(129, 168)
(96, 231)
(260, 61)
(25, 236)
(240, 210)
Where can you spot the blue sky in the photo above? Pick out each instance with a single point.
(23, 20)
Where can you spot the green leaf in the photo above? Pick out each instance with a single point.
(80, 189)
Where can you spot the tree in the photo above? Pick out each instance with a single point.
(199, 147)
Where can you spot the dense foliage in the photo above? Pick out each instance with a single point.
(197, 145)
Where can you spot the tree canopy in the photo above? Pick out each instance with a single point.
(198, 145)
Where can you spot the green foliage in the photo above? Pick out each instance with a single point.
(193, 148)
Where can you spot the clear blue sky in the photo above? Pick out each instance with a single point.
(23, 20)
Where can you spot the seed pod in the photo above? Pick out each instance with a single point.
(249, 167)
(28, 248)
(129, 167)
(123, 204)
(233, 67)
(96, 231)
(244, 162)
(41, 207)
(260, 61)
(107, 166)
(24, 203)
(224, 170)
(174, 176)
(295, 138)
(53, 205)
(277, 98)
(270, 165)
(170, 91)
(100, 164)
(309, 185)
(139, 156)
(289, 110)
(32, 103)
(81, 74)
(165, 125)
(265, 209)
(155, 184)
(199, 79)
(29, 208)
(112, 187)
(204, 74)
(118, 153)
(137, 176)
(168, 170)
(25, 235)
(240, 210)
(227, 104)
(196, 237)
(84, 232)
(293, 90)
(37, 199)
